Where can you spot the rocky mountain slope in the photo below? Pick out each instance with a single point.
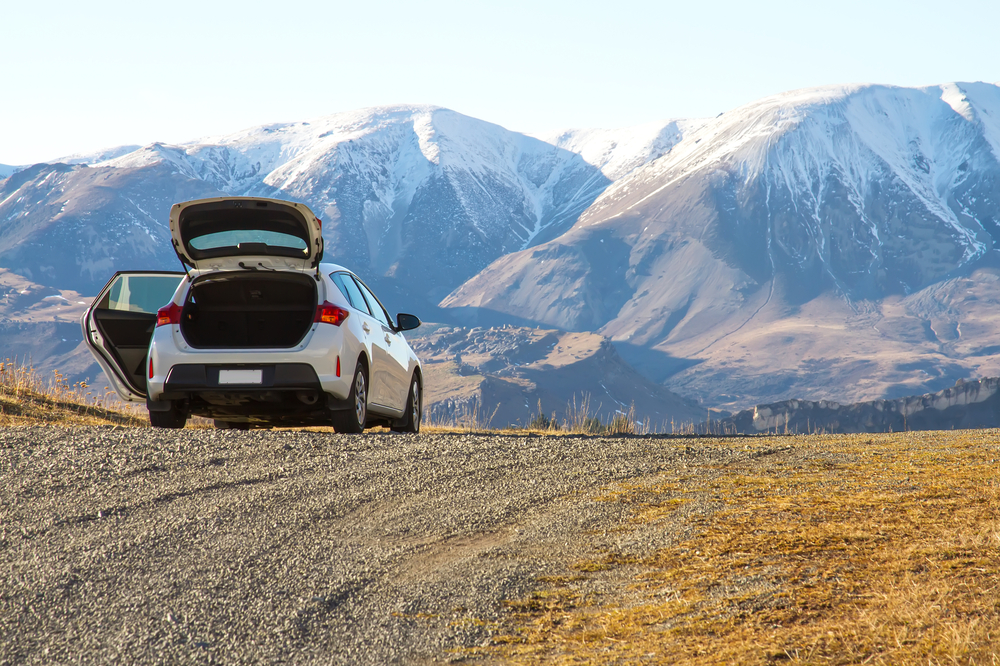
(40, 327)
(509, 375)
(834, 204)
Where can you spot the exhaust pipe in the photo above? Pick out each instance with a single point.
(307, 397)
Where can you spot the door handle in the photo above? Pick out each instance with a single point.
(387, 339)
(365, 328)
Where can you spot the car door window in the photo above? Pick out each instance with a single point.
(350, 291)
(139, 293)
(377, 310)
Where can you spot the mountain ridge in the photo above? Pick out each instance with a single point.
(831, 243)
(391, 183)
(865, 193)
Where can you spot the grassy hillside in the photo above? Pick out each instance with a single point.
(28, 398)
(884, 550)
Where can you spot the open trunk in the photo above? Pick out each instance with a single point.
(249, 310)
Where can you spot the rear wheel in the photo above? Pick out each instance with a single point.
(413, 411)
(353, 419)
(174, 418)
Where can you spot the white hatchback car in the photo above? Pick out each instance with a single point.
(256, 331)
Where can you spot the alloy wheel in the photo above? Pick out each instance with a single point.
(415, 405)
(360, 398)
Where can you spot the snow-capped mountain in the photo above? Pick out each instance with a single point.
(400, 189)
(869, 190)
(618, 152)
(833, 243)
(422, 197)
(866, 192)
(6, 170)
(844, 186)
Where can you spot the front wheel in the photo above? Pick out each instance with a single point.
(174, 418)
(413, 409)
(353, 420)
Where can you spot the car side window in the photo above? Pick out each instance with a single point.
(140, 293)
(377, 310)
(350, 291)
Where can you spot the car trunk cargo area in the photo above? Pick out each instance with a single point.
(249, 310)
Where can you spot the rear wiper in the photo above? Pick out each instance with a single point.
(258, 267)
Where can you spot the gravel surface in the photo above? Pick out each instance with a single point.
(153, 546)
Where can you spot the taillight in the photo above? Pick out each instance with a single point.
(168, 314)
(328, 313)
(150, 367)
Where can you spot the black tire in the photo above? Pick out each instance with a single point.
(353, 420)
(414, 409)
(174, 418)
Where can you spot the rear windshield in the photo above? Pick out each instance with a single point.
(235, 227)
(243, 236)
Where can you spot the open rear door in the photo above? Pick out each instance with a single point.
(235, 232)
(119, 325)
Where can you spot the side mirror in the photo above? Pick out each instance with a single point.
(406, 322)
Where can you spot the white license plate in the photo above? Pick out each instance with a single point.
(241, 376)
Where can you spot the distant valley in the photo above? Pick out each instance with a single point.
(826, 244)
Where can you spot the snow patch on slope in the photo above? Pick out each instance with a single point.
(984, 103)
(617, 152)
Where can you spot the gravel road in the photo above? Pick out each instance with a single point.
(153, 546)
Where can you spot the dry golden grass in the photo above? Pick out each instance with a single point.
(887, 551)
(26, 398)
(580, 420)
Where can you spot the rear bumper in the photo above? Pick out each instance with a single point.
(192, 377)
(289, 392)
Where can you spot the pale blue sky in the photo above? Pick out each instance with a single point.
(80, 76)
